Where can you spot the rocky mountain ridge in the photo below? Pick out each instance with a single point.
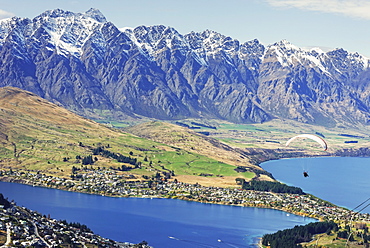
(89, 66)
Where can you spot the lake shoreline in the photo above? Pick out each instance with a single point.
(25, 182)
(259, 194)
(266, 205)
(123, 219)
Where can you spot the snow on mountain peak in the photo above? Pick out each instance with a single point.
(68, 30)
(96, 14)
(289, 55)
(153, 39)
(9, 24)
(340, 55)
(285, 45)
(210, 43)
(317, 50)
(285, 52)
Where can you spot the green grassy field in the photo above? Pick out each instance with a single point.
(185, 163)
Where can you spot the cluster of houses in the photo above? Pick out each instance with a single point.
(111, 183)
(21, 227)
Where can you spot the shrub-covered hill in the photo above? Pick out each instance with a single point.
(40, 136)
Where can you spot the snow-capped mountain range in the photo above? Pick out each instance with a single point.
(88, 65)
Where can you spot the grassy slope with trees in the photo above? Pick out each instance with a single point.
(39, 136)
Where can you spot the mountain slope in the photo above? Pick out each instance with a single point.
(36, 135)
(89, 66)
(189, 140)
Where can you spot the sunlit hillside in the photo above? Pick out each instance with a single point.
(40, 136)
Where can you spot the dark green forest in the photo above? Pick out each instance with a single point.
(4, 202)
(119, 157)
(274, 187)
(289, 238)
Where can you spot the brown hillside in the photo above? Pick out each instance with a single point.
(38, 135)
(17, 103)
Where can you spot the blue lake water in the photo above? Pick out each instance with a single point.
(344, 181)
(160, 222)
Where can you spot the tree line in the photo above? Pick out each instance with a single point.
(274, 187)
(292, 237)
(78, 225)
(119, 157)
(4, 202)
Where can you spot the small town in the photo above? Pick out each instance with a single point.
(109, 183)
(26, 228)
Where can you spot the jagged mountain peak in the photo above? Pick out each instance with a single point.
(253, 48)
(254, 42)
(83, 62)
(210, 39)
(315, 51)
(282, 43)
(341, 53)
(60, 13)
(344, 60)
(211, 34)
(54, 13)
(68, 31)
(215, 40)
(286, 54)
(290, 55)
(11, 21)
(210, 43)
(58, 20)
(253, 51)
(153, 39)
(9, 24)
(286, 47)
(152, 34)
(96, 14)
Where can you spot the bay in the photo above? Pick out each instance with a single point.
(160, 222)
(343, 181)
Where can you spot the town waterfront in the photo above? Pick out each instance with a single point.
(343, 181)
(160, 222)
(179, 223)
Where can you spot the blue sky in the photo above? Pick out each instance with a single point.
(327, 24)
